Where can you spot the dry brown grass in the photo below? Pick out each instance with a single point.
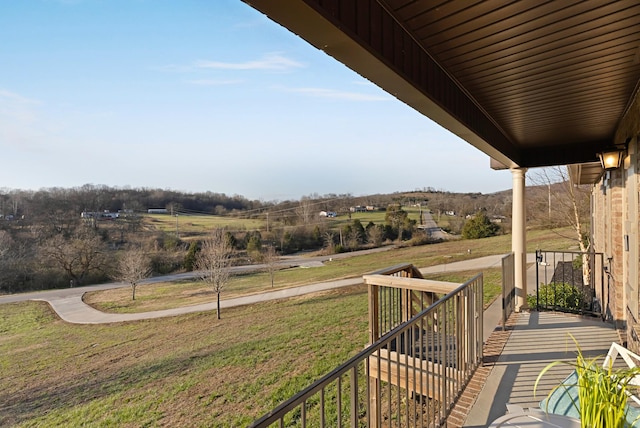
(190, 370)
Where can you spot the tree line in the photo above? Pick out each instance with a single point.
(45, 244)
(36, 206)
(64, 250)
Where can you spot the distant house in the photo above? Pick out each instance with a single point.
(99, 215)
(498, 219)
(358, 209)
(157, 211)
(328, 214)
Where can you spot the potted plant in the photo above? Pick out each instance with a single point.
(596, 394)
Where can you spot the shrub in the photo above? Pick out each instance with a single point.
(562, 295)
(190, 258)
(479, 227)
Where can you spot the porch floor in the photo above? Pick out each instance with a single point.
(535, 340)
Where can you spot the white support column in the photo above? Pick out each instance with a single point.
(519, 238)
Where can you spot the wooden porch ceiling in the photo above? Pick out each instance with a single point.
(531, 83)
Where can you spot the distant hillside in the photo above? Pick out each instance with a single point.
(96, 198)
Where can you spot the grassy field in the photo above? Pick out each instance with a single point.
(195, 370)
(492, 281)
(199, 224)
(191, 370)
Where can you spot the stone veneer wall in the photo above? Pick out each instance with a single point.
(612, 200)
(606, 222)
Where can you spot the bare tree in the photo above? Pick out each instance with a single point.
(567, 204)
(329, 242)
(133, 266)
(6, 260)
(78, 255)
(353, 239)
(375, 234)
(213, 260)
(270, 259)
(304, 210)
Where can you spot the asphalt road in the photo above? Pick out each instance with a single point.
(432, 228)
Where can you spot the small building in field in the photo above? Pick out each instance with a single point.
(99, 215)
(157, 211)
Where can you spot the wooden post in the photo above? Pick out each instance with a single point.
(374, 334)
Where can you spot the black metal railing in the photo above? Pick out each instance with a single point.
(508, 288)
(573, 282)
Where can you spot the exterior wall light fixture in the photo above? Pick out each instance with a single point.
(611, 158)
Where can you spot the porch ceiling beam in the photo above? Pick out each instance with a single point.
(559, 153)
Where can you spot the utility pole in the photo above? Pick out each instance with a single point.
(177, 232)
(549, 185)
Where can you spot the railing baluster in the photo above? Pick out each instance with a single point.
(322, 421)
(354, 396)
(339, 401)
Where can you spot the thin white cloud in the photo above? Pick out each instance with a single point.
(274, 62)
(17, 108)
(23, 125)
(336, 95)
(17, 98)
(215, 82)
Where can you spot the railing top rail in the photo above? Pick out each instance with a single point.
(398, 268)
(316, 386)
(571, 252)
(419, 284)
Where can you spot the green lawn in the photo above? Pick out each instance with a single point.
(199, 224)
(195, 370)
(191, 370)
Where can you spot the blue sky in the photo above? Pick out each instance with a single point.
(205, 96)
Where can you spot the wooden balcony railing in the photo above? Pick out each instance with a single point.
(426, 343)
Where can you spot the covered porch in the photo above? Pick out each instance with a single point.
(531, 84)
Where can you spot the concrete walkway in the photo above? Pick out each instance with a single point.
(537, 339)
(68, 303)
(73, 309)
